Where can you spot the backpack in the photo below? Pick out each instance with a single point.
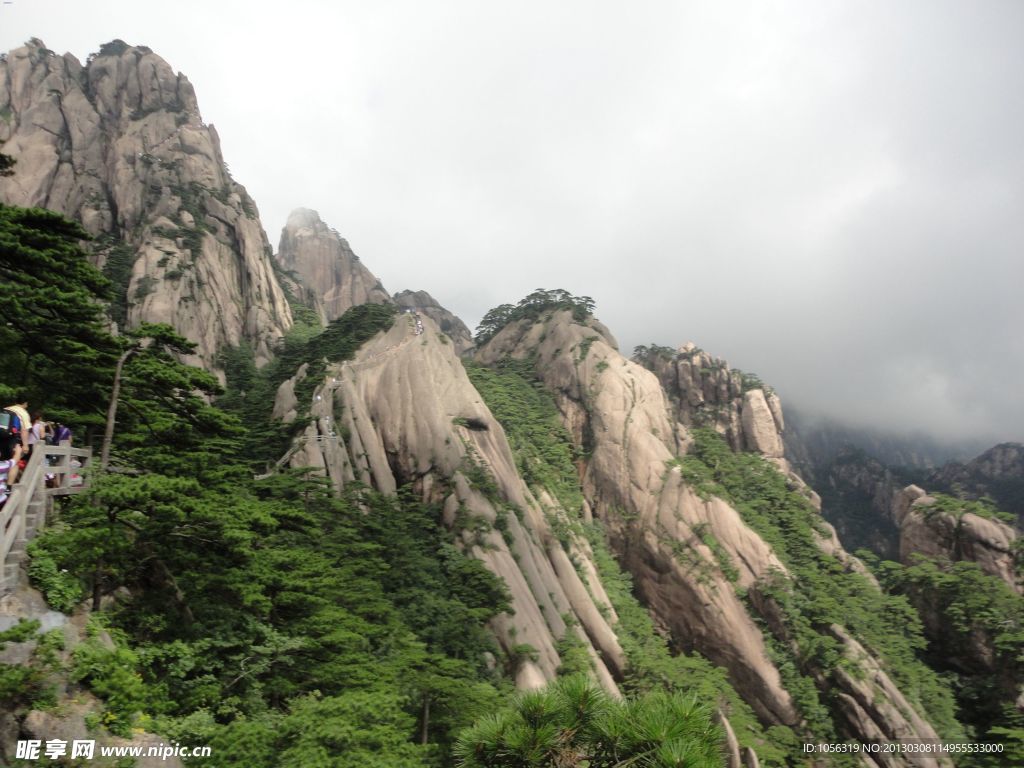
(10, 433)
(10, 424)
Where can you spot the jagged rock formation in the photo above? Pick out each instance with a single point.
(619, 412)
(704, 391)
(997, 473)
(404, 411)
(328, 277)
(953, 535)
(119, 145)
(858, 493)
(451, 325)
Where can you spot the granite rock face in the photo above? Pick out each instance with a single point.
(403, 411)
(649, 513)
(953, 536)
(74, 706)
(119, 145)
(328, 277)
(450, 324)
(704, 391)
(632, 428)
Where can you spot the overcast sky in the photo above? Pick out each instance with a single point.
(830, 194)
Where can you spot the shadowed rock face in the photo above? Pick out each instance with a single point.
(329, 277)
(451, 325)
(997, 473)
(120, 146)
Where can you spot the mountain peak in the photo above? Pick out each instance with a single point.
(330, 278)
(119, 145)
(304, 217)
(449, 323)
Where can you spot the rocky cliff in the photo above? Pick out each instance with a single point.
(403, 411)
(857, 492)
(705, 391)
(691, 555)
(73, 709)
(619, 410)
(998, 473)
(451, 325)
(953, 530)
(119, 145)
(328, 277)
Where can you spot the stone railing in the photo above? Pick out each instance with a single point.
(31, 498)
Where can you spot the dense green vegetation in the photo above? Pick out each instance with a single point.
(251, 391)
(260, 611)
(257, 613)
(543, 448)
(532, 307)
(821, 592)
(575, 723)
(53, 339)
(975, 628)
(546, 456)
(270, 619)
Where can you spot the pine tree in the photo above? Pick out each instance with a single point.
(575, 723)
(53, 336)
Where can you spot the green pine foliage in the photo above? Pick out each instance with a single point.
(822, 592)
(975, 627)
(257, 609)
(543, 448)
(53, 337)
(573, 722)
(531, 307)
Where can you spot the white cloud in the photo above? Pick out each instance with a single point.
(827, 193)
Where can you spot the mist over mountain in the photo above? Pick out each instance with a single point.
(827, 196)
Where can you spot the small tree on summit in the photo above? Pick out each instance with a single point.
(532, 306)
